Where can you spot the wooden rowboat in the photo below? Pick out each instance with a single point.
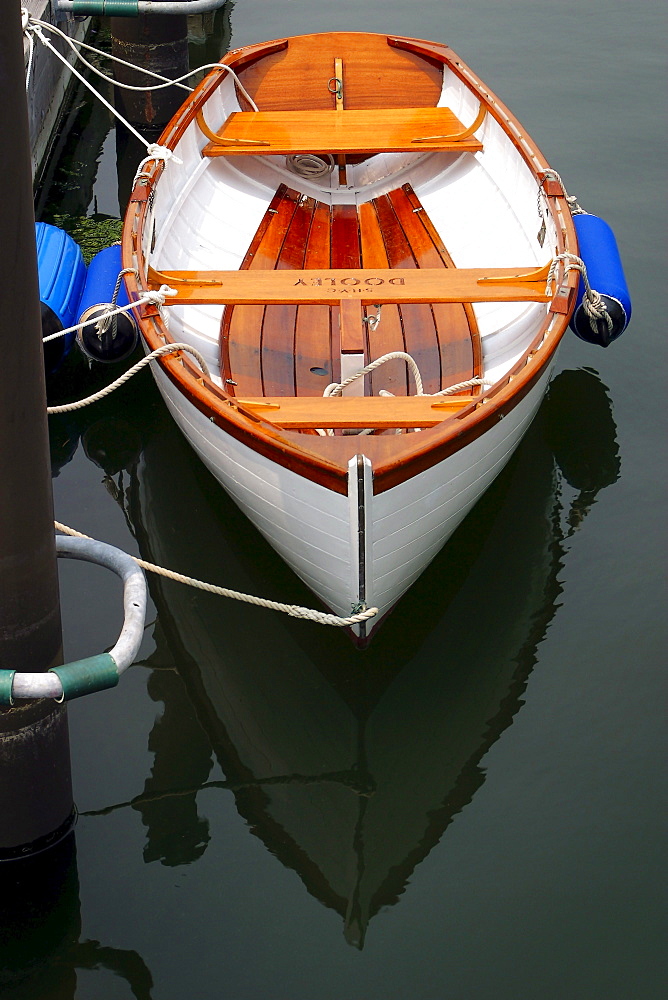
(317, 204)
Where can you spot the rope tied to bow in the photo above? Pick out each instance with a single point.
(592, 302)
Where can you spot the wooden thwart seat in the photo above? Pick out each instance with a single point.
(340, 131)
(303, 307)
(368, 286)
(354, 412)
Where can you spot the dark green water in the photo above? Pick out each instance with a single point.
(473, 808)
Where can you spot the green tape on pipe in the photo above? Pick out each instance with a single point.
(6, 681)
(95, 673)
(111, 8)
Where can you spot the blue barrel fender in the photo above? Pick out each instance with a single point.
(599, 252)
(62, 275)
(119, 340)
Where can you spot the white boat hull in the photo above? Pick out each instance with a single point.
(315, 530)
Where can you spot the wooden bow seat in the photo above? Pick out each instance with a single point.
(353, 132)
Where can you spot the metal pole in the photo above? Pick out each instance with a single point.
(135, 7)
(36, 807)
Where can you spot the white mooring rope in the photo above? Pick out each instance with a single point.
(294, 610)
(108, 389)
(33, 28)
(336, 388)
(310, 165)
(153, 297)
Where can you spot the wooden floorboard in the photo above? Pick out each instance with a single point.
(459, 338)
(346, 253)
(240, 341)
(417, 320)
(281, 349)
(315, 363)
(388, 335)
(278, 328)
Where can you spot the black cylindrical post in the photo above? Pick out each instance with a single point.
(35, 783)
(156, 42)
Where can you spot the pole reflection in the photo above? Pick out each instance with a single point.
(41, 943)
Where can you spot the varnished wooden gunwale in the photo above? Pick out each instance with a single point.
(412, 453)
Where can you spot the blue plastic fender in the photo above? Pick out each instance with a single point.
(62, 275)
(599, 252)
(119, 340)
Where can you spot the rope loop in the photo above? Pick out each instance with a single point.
(152, 297)
(310, 165)
(158, 152)
(111, 314)
(154, 152)
(156, 297)
(571, 200)
(336, 388)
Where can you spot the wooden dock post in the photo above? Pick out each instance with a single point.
(156, 42)
(36, 807)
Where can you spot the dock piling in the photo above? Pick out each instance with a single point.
(36, 806)
(155, 42)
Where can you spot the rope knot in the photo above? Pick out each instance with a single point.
(592, 303)
(154, 151)
(157, 297)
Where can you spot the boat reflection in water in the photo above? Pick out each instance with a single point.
(350, 765)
